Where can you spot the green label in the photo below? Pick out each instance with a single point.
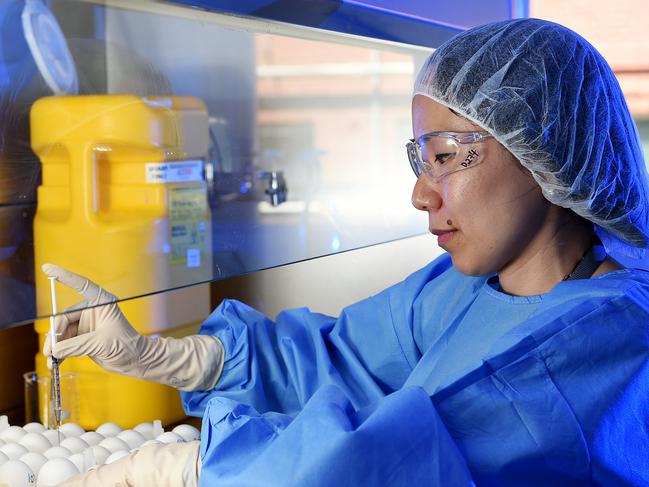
(188, 225)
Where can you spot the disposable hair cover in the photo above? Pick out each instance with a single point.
(552, 100)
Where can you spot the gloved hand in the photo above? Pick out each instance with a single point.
(173, 464)
(103, 333)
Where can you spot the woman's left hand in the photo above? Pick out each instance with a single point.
(163, 464)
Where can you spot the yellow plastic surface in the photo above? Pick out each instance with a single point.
(101, 214)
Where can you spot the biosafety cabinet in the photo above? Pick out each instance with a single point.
(178, 153)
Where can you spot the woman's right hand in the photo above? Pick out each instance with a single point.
(96, 327)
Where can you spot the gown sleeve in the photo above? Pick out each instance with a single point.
(368, 351)
(398, 440)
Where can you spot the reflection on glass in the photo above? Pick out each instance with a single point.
(194, 151)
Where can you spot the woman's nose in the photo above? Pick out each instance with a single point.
(425, 196)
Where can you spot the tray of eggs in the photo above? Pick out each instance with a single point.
(32, 455)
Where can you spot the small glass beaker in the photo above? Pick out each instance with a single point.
(38, 406)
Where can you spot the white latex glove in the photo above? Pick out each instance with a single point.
(97, 328)
(169, 465)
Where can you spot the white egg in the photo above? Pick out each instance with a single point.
(78, 461)
(13, 450)
(116, 456)
(35, 442)
(157, 428)
(12, 434)
(34, 428)
(149, 443)
(187, 431)
(170, 437)
(100, 453)
(53, 436)
(34, 461)
(145, 429)
(3, 458)
(74, 444)
(92, 437)
(88, 459)
(55, 471)
(132, 438)
(71, 429)
(57, 452)
(15, 473)
(109, 429)
(114, 444)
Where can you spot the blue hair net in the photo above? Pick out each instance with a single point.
(553, 101)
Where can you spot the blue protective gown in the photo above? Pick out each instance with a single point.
(438, 380)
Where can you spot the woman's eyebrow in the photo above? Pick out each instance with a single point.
(456, 113)
(463, 117)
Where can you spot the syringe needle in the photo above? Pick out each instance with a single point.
(55, 378)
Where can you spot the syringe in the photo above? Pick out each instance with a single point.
(55, 378)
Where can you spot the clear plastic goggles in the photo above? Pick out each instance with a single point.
(438, 154)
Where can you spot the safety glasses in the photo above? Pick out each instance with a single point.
(438, 154)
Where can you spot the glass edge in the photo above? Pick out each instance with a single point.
(29, 321)
(256, 25)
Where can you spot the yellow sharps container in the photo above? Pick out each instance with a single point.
(123, 201)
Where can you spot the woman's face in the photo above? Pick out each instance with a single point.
(485, 216)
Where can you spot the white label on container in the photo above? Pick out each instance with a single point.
(193, 257)
(174, 172)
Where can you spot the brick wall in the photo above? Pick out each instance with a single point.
(618, 30)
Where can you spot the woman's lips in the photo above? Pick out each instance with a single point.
(443, 236)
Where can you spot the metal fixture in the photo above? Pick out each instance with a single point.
(276, 186)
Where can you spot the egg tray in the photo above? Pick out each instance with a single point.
(31, 455)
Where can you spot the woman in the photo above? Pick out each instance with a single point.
(520, 357)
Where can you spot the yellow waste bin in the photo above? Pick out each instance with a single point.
(123, 201)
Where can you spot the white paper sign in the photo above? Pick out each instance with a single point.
(193, 257)
(174, 172)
